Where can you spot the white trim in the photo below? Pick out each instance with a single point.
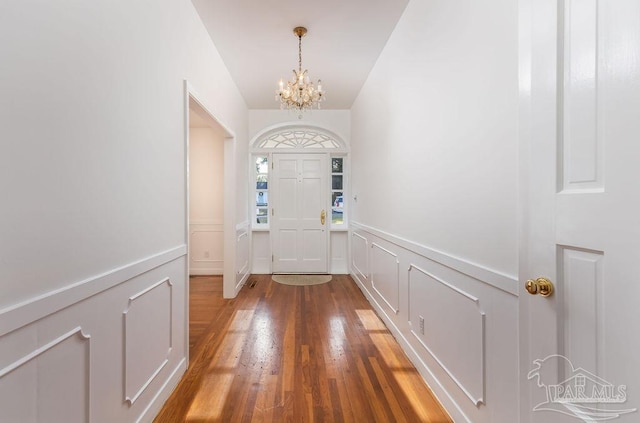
(229, 246)
(504, 282)
(21, 314)
(163, 393)
(187, 224)
(38, 352)
(395, 308)
(366, 256)
(132, 398)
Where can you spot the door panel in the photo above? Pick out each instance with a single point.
(300, 195)
(580, 120)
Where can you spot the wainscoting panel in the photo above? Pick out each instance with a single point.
(449, 323)
(30, 388)
(456, 321)
(206, 248)
(243, 268)
(385, 273)
(147, 337)
(111, 350)
(360, 256)
(261, 252)
(339, 264)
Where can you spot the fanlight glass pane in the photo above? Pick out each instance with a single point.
(298, 139)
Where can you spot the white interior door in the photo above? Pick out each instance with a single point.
(299, 201)
(580, 120)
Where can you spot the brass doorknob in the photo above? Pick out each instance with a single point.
(323, 215)
(541, 286)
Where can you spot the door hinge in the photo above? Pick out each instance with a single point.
(272, 165)
(272, 212)
(272, 258)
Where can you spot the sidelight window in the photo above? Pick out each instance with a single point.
(262, 191)
(337, 191)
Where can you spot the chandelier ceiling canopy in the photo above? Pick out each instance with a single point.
(299, 93)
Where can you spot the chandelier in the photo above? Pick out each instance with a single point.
(299, 93)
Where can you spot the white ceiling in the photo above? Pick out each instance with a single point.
(255, 39)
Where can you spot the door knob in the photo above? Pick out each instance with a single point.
(542, 286)
(323, 215)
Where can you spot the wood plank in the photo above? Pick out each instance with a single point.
(280, 353)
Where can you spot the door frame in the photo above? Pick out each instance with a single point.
(339, 148)
(537, 78)
(194, 101)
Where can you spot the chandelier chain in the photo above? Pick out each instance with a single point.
(299, 53)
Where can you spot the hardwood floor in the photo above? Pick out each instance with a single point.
(280, 353)
(205, 301)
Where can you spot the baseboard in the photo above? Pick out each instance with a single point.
(206, 272)
(163, 394)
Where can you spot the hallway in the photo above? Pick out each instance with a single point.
(281, 353)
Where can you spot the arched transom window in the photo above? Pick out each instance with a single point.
(298, 139)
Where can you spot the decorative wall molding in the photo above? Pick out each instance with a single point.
(207, 222)
(206, 248)
(243, 263)
(360, 244)
(388, 280)
(339, 252)
(42, 352)
(242, 226)
(146, 337)
(209, 261)
(158, 400)
(260, 252)
(36, 353)
(483, 274)
(460, 366)
(19, 315)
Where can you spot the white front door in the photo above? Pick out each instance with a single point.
(580, 128)
(299, 230)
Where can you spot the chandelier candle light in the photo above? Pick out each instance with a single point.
(299, 93)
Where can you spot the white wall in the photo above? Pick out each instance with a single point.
(434, 153)
(434, 132)
(93, 212)
(206, 201)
